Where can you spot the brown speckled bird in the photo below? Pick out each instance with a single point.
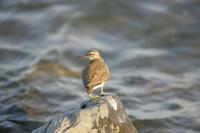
(96, 73)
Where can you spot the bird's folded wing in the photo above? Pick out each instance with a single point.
(98, 75)
(84, 77)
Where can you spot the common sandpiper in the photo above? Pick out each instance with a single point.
(95, 74)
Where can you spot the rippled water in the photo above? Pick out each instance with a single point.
(152, 48)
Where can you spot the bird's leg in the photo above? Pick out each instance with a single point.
(89, 91)
(102, 92)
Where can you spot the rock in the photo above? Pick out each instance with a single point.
(103, 115)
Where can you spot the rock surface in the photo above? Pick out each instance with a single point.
(103, 115)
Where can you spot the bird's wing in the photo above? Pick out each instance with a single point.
(98, 75)
(84, 77)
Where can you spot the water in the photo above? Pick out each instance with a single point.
(152, 48)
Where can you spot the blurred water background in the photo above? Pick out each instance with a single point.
(151, 46)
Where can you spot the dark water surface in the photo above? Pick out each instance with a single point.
(151, 46)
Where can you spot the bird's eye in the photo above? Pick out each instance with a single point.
(89, 54)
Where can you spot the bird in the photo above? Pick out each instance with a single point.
(95, 74)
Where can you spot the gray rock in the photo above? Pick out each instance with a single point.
(103, 115)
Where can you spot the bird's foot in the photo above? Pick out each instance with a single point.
(93, 97)
(102, 94)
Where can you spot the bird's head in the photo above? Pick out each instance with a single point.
(91, 55)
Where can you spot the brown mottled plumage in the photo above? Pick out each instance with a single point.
(96, 73)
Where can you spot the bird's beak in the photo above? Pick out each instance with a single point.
(83, 57)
